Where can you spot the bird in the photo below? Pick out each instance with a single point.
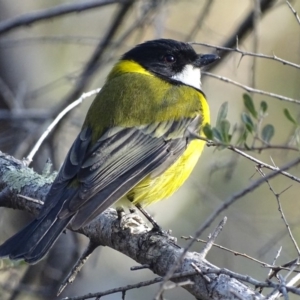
(139, 141)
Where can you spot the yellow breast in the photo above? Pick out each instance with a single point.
(151, 190)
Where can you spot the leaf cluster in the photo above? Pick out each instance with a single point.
(252, 119)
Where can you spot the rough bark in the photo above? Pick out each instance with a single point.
(128, 235)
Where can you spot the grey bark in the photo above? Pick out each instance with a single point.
(128, 235)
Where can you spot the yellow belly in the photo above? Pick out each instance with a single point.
(151, 190)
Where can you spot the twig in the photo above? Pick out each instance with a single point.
(78, 266)
(294, 11)
(257, 161)
(200, 272)
(212, 238)
(277, 196)
(57, 11)
(173, 285)
(247, 53)
(142, 267)
(129, 287)
(274, 261)
(30, 156)
(236, 253)
(252, 90)
(31, 199)
(267, 147)
(265, 165)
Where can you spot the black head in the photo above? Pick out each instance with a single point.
(169, 59)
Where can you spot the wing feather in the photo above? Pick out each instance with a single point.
(120, 159)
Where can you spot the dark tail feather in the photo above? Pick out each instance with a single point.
(15, 241)
(47, 241)
(33, 242)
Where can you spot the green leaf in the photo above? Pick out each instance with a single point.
(224, 128)
(267, 133)
(217, 135)
(208, 131)
(242, 139)
(263, 106)
(222, 114)
(289, 116)
(248, 102)
(248, 122)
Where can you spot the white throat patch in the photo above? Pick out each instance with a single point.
(189, 76)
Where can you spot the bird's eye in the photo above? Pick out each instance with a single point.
(169, 58)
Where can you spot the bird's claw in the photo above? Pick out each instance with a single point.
(131, 221)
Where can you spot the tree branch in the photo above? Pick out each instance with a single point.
(57, 11)
(130, 238)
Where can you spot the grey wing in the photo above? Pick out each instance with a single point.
(120, 159)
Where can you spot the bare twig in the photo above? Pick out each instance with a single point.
(252, 90)
(200, 272)
(257, 161)
(77, 267)
(57, 11)
(265, 165)
(236, 253)
(277, 196)
(274, 260)
(267, 147)
(31, 199)
(55, 121)
(247, 53)
(142, 267)
(293, 11)
(212, 238)
(128, 287)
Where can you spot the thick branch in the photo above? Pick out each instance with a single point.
(130, 236)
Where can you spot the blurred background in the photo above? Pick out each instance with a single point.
(40, 66)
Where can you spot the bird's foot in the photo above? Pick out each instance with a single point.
(155, 227)
(131, 221)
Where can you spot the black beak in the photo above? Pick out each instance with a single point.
(205, 59)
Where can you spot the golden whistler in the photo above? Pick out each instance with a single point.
(138, 141)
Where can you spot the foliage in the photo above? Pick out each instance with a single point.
(250, 131)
